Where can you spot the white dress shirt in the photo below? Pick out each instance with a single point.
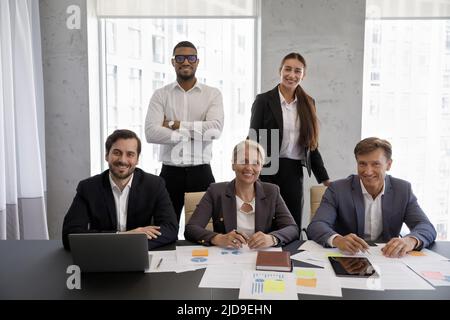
(373, 214)
(121, 202)
(245, 221)
(290, 146)
(200, 112)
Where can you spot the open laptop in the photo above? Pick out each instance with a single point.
(109, 252)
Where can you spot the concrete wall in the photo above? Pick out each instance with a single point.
(65, 68)
(330, 35)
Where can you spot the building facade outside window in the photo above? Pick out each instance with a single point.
(141, 63)
(406, 101)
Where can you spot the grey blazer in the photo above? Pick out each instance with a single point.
(219, 203)
(342, 211)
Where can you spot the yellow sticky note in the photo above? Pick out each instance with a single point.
(417, 254)
(333, 254)
(312, 283)
(274, 286)
(200, 252)
(305, 273)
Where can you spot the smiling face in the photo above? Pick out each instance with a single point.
(185, 70)
(247, 166)
(291, 73)
(122, 158)
(372, 169)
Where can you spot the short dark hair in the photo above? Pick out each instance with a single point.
(122, 134)
(370, 144)
(184, 44)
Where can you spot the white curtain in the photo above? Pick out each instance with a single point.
(22, 171)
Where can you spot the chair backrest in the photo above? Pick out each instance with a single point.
(191, 200)
(315, 197)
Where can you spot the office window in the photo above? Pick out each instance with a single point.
(112, 113)
(135, 81)
(131, 81)
(158, 80)
(447, 38)
(159, 53)
(406, 65)
(111, 34)
(134, 36)
(158, 24)
(181, 27)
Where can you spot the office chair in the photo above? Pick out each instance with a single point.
(191, 200)
(316, 194)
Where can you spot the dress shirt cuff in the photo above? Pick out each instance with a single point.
(186, 125)
(418, 244)
(330, 240)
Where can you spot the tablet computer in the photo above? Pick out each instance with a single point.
(359, 267)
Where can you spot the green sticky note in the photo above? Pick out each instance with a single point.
(274, 286)
(305, 273)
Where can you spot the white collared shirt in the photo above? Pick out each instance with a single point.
(121, 202)
(373, 214)
(245, 221)
(290, 146)
(200, 112)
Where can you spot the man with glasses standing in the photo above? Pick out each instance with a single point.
(184, 117)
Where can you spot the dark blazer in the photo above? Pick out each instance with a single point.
(219, 203)
(93, 208)
(267, 114)
(342, 211)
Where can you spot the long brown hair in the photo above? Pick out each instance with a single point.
(309, 123)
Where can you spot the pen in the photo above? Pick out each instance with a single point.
(159, 263)
(241, 234)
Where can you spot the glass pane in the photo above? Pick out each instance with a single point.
(406, 100)
(141, 63)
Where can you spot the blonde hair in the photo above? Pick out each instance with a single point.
(239, 151)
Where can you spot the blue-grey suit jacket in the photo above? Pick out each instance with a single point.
(342, 211)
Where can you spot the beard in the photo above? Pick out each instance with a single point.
(181, 73)
(115, 171)
(186, 77)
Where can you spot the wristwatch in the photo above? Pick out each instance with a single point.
(171, 123)
(275, 241)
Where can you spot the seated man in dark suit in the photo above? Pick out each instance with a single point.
(123, 199)
(371, 206)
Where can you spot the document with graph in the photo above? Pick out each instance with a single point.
(266, 285)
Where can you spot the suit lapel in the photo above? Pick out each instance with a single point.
(261, 208)
(133, 196)
(387, 202)
(359, 205)
(229, 207)
(275, 106)
(109, 199)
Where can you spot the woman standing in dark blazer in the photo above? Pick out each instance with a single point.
(290, 112)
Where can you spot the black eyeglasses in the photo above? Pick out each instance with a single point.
(191, 58)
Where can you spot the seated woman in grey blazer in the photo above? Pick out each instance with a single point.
(245, 210)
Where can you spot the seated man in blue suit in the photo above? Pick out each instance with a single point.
(123, 198)
(371, 206)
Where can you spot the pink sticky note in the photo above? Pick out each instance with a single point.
(433, 275)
